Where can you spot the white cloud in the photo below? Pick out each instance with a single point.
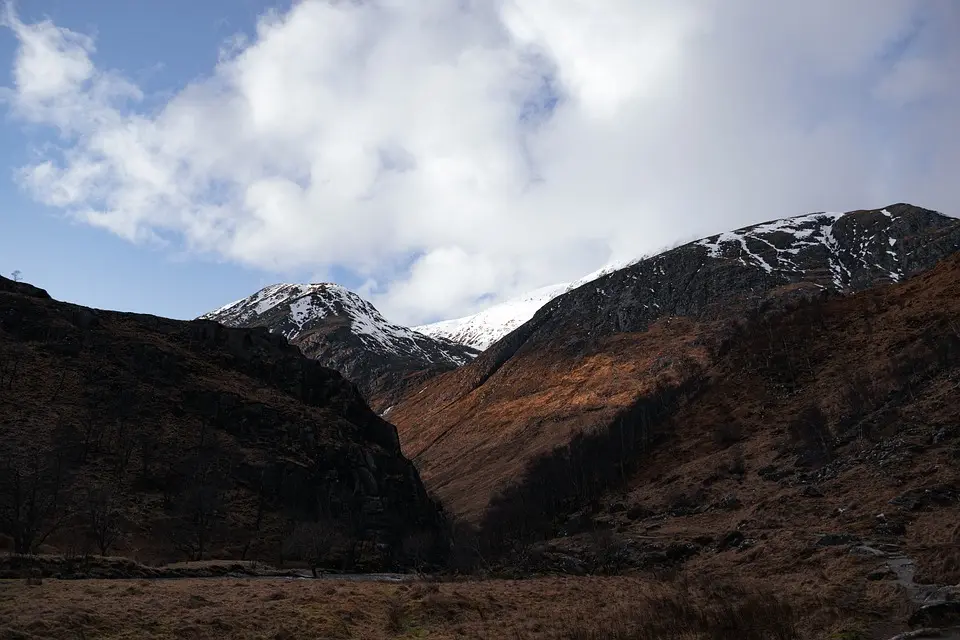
(361, 134)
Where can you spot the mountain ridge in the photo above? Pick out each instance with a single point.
(338, 328)
(586, 354)
(486, 327)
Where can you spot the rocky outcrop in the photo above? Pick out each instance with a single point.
(210, 441)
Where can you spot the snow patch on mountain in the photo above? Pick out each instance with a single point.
(482, 329)
(801, 233)
(292, 309)
(775, 246)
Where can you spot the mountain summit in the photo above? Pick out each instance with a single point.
(830, 249)
(587, 355)
(343, 331)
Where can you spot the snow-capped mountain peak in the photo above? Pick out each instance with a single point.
(841, 251)
(482, 329)
(293, 310)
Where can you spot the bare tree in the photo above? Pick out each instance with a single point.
(104, 518)
(200, 514)
(315, 543)
(31, 506)
(10, 366)
(123, 445)
(16, 275)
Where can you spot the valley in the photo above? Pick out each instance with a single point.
(758, 432)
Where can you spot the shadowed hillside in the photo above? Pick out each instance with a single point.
(162, 440)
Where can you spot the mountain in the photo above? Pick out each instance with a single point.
(343, 331)
(816, 443)
(753, 243)
(168, 440)
(482, 329)
(588, 355)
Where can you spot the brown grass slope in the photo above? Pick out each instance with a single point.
(840, 416)
(163, 440)
(590, 355)
(817, 431)
(547, 609)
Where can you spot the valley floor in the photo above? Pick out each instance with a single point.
(581, 608)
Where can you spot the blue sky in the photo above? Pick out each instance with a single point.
(437, 156)
(91, 266)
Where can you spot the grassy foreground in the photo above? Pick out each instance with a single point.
(558, 608)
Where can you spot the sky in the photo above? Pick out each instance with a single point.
(437, 156)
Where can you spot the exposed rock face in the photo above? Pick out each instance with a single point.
(843, 252)
(341, 330)
(198, 431)
(589, 353)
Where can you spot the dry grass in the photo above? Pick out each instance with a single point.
(554, 608)
(470, 442)
(469, 446)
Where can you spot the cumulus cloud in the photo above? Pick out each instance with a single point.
(453, 153)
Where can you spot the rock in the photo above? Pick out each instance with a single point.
(942, 435)
(882, 573)
(773, 473)
(864, 550)
(944, 594)
(811, 491)
(921, 634)
(729, 502)
(731, 540)
(941, 614)
(836, 539)
(638, 512)
(680, 551)
(885, 526)
(941, 495)
(284, 426)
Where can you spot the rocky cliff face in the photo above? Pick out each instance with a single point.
(589, 353)
(200, 440)
(341, 330)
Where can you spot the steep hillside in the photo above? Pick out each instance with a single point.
(590, 354)
(820, 450)
(341, 330)
(163, 440)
